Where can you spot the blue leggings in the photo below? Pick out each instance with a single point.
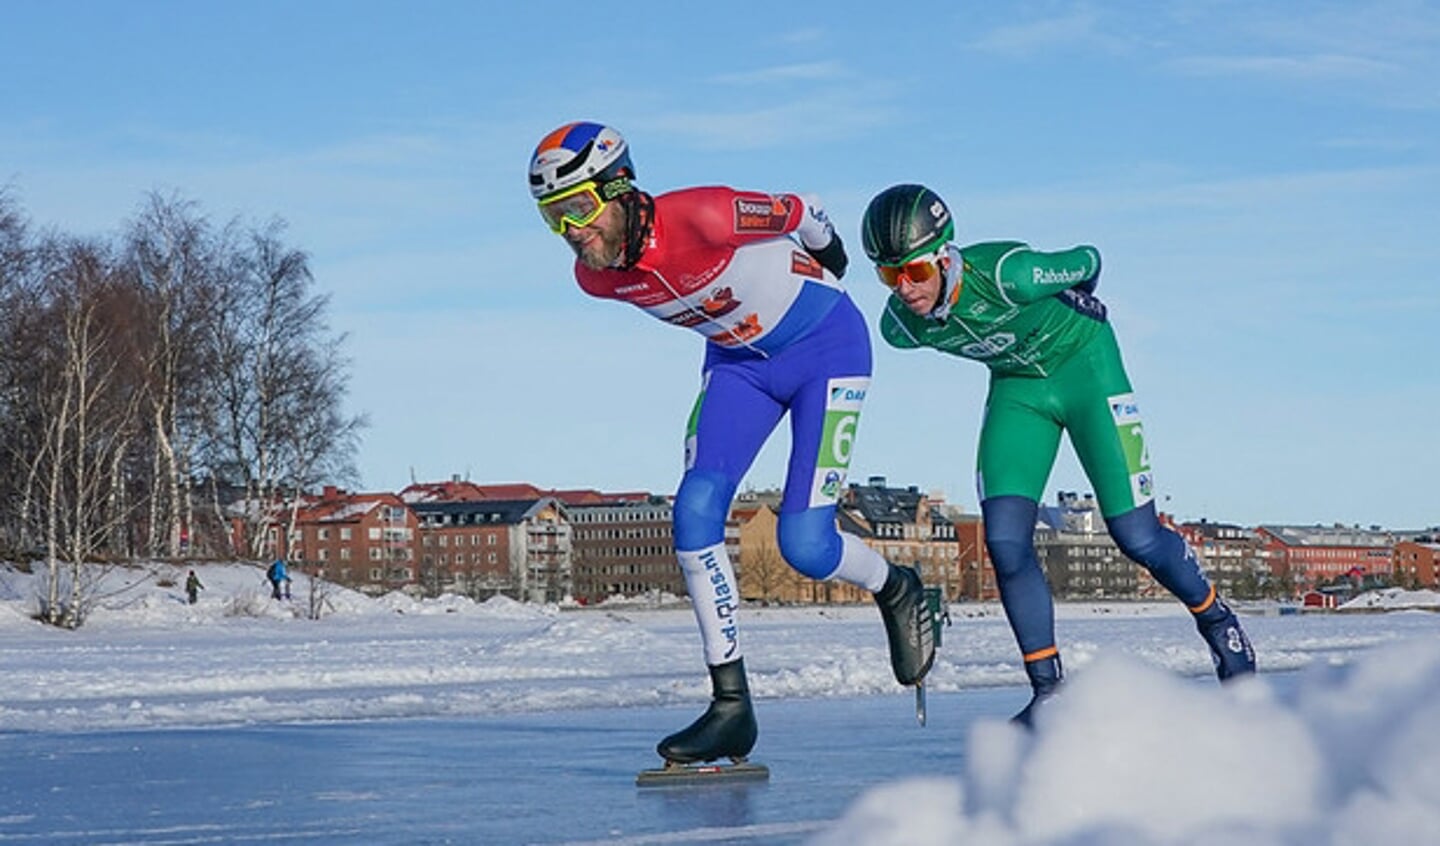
(820, 379)
(1010, 540)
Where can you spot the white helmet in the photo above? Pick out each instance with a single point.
(576, 152)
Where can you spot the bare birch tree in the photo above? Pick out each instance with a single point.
(174, 258)
(282, 379)
(179, 363)
(89, 427)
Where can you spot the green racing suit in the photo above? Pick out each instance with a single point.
(1054, 363)
(1055, 366)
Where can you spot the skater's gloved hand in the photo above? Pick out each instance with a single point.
(832, 256)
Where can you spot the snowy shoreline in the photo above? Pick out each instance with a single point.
(147, 659)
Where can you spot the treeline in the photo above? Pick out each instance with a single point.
(158, 386)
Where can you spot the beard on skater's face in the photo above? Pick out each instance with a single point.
(599, 244)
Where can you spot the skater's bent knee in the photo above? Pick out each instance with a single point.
(809, 541)
(1140, 536)
(1011, 557)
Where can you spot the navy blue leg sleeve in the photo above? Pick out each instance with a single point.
(1010, 539)
(701, 505)
(809, 541)
(1164, 553)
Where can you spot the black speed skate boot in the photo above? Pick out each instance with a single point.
(1229, 647)
(726, 729)
(1045, 675)
(907, 624)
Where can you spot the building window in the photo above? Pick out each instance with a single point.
(345, 533)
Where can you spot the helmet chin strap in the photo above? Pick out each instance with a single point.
(639, 216)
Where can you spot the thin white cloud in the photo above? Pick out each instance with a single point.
(808, 35)
(1386, 144)
(804, 71)
(1033, 37)
(1330, 66)
(830, 115)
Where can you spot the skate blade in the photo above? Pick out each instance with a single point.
(920, 702)
(676, 775)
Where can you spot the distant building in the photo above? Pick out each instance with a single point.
(539, 544)
(1079, 558)
(580, 544)
(1306, 556)
(907, 527)
(977, 574)
(1414, 563)
(517, 547)
(364, 541)
(624, 545)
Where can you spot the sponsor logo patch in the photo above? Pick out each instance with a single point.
(1124, 409)
(803, 264)
(767, 215)
(720, 300)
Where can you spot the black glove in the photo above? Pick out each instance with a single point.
(832, 256)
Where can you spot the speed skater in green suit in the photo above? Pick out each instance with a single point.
(1032, 317)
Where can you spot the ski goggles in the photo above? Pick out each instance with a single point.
(916, 271)
(581, 204)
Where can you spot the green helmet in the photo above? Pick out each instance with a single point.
(905, 221)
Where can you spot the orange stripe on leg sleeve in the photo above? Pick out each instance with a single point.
(1041, 654)
(1209, 600)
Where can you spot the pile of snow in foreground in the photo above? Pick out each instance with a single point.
(1134, 755)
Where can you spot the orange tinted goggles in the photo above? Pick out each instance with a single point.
(917, 271)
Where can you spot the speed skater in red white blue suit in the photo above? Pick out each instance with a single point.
(757, 275)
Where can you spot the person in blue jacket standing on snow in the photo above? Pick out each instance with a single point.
(279, 580)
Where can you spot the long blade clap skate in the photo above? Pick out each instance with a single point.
(727, 729)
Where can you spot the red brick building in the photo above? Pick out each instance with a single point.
(1415, 563)
(1307, 556)
(977, 575)
(364, 541)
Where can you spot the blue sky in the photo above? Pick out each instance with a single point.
(1260, 178)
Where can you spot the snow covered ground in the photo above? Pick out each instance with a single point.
(448, 721)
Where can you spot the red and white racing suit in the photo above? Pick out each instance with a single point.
(782, 337)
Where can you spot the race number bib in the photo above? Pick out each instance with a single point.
(1126, 413)
(842, 416)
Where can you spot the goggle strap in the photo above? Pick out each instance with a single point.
(613, 188)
